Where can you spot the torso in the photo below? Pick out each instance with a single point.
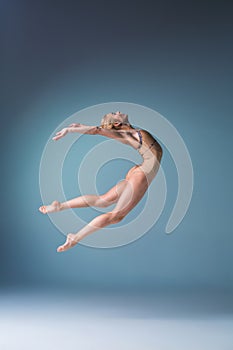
(146, 144)
(150, 150)
(148, 141)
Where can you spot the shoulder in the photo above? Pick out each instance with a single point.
(150, 139)
(145, 133)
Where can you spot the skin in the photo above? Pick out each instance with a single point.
(126, 194)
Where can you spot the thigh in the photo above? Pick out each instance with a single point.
(128, 175)
(132, 193)
(114, 193)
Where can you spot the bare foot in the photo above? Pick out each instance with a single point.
(55, 206)
(71, 241)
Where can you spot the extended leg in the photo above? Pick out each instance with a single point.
(103, 201)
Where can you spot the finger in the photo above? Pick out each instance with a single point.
(63, 247)
(58, 134)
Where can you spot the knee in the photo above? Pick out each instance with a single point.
(116, 217)
(103, 201)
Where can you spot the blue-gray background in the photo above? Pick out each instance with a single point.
(59, 57)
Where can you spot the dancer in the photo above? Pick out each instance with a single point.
(128, 192)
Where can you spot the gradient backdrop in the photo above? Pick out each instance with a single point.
(59, 57)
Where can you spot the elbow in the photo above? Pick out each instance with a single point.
(93, 131)
(96, 130)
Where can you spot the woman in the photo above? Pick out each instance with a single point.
(128, 192)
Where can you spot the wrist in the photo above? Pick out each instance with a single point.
(71, 129)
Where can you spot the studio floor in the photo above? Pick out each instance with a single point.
(90, 321)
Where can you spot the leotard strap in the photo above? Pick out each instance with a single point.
(140, 137)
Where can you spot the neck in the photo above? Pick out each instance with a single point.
(126, 127)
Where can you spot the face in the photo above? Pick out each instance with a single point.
(118, 113)
(110, 118)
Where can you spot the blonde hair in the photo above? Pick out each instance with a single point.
(109, 119)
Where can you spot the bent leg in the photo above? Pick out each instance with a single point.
(133, 191)
(137, 186)
(96, 224)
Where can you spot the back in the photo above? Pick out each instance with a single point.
(149, 141)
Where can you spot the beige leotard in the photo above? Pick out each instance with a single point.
(151, 152)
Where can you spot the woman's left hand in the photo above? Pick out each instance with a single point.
(60, 134)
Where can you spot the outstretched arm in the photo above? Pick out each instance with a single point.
(80, 128)
(92, 130)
